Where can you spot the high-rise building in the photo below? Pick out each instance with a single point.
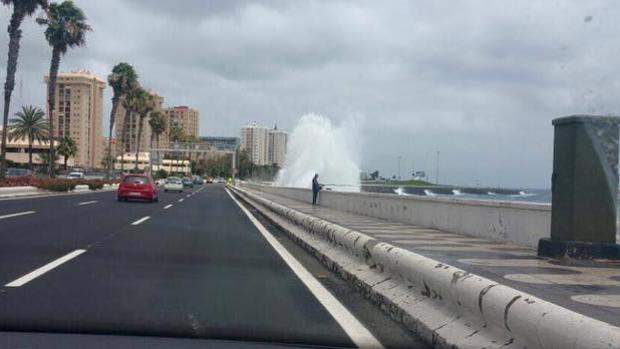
(130, 143)
(276, 146)
(78, 114)
(186, 117)
(254, 141)
(264, 146)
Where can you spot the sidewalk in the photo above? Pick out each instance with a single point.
(591, 288)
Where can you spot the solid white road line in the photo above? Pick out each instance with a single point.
(167, 206)
(141, 220)
(44, 269)
(17, 214)
(87, 202)
(351, 325)
(181, 200)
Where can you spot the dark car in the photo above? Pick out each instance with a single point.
(198, 180)
(137, 186)
(187, 182)
(18, 172)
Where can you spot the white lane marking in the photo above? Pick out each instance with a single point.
(181, 200)
(188, 195)
(167, 206)
(141, 220)
(17, 214)
(87, 202)
(355, 330)
(44, 269)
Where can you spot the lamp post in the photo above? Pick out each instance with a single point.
(399, 157)
(437, 168)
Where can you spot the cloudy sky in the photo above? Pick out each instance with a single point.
(480, 81)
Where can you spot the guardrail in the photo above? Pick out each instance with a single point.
(445, 305)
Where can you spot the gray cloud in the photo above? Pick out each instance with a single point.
(478, 80)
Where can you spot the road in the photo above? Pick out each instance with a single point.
(195, 264)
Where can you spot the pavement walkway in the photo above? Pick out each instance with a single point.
(591, 288)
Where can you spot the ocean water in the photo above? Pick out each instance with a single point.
(522, 195)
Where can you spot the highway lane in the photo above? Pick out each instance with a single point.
(60, 225)
(193, 268)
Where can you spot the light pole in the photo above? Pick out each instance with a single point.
(399, 167)
(437, 168)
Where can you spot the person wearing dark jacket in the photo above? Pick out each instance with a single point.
(316, 187)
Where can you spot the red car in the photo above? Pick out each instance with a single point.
(137, 186)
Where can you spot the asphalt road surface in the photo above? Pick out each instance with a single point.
(193, 265)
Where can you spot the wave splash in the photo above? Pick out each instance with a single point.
(316, 145)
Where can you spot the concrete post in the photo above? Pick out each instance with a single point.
(584, 188)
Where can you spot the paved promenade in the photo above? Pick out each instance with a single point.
(591, 288)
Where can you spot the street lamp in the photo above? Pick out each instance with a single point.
(437, 168)
(399, 167)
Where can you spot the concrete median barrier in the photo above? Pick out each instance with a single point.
(447, 306)
(18, 190)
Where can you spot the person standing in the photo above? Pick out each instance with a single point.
(316, 187)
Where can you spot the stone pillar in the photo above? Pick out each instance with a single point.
(584, 188)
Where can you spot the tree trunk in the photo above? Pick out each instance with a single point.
(66, 159)
(140, 123)
(157, 141)
(30, 140)
(124, 137)
(115, 101)
(51, 101)
(15, 35)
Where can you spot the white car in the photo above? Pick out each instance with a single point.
(75, 175)
(173, 184)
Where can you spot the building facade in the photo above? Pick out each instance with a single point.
(264, 146)
(78, 113)
(254, 141)
(17, 151)
(186, 117)
(276, 148)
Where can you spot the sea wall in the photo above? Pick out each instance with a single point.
(516, 222)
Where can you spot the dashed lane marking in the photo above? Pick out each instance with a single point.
(141, 220)
(17, 214)
(87, 203)
(167, 206)
(44, 269)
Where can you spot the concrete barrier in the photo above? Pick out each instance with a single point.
(515, 222)
(18, 190)
(456, 309)
(81, 187)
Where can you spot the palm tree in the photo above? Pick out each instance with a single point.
(66, 28)
(129, 102)
(145, 103)
(176, 135)
(29, 123)
(122, 80)
(21, 9)
(158, 126)
(67, 148)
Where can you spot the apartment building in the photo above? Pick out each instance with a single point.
(186, 117)
(264, 146)
(78, 113)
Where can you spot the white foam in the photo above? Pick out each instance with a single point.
(400, 191)
(429, 192)
(457, 192)
(318, 146)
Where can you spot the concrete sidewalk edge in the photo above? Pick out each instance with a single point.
(446, 306)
